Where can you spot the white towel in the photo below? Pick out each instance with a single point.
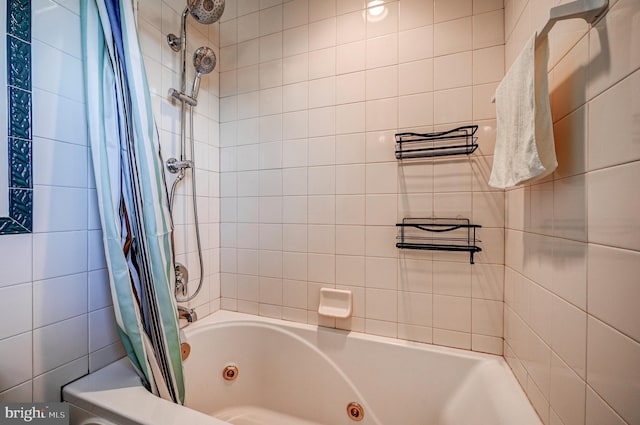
(524, 136)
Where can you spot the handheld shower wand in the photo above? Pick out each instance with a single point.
(204, 60)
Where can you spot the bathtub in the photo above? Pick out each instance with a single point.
(296, 374)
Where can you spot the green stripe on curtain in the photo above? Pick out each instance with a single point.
(132, 194)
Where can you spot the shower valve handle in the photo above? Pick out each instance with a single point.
(174, 165)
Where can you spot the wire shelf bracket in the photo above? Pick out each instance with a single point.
(459, 141)
(442, 234)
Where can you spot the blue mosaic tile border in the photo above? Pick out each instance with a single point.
(19, 99)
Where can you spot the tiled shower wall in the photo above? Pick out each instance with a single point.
(56, 318)
(572, 323)
(311, 94)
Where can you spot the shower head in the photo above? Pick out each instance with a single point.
(204, 60)
(206, 11)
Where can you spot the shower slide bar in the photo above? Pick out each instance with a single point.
(589, 10)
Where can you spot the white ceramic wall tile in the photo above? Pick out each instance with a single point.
(295, 68)
(410, 50)
(104, 356)
(270, 264)
(569, 81)
(16, 308)
(350, 209)
(295, 13)
(569, 208)
(46, 387)
(350, 270)
(349, 240)
(452, 71)
(452, 313)
(599, 412)
(60, 253)
(487, 317)
(16, 258)
(611, 58)
(609, 210)
(321, 239)
(415, 308)
(454, 105)
(56, 71)
(322, 63)
(415, 13)
(569, 335)
(59, 299)
(321, 91)
(488, 64)
(452, 36)
(350, 27)
(321, 209)
(382, 82)
(18, 351)
(350, 179)
(481, 6)
(17, 393)
(488, 29)
(270, 20)
(248, 57)
(322, 268)
(454, 339)
(248, 288)
(294, 209)
(382, 51)
(611, 117)
(612, 289)
(381, 304)
(57, 115)
(60, 343)
(381, 273)
(446, 10)
(452, 279)
(102, 328)
(415, 111)
(322, 34)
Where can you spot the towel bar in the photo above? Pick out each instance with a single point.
(588, 10)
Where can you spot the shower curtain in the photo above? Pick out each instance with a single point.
(132, 195)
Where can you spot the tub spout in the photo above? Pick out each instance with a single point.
(187, 313)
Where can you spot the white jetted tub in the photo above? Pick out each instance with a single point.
(294, 374)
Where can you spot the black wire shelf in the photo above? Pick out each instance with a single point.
(455, 234)
(459, 141)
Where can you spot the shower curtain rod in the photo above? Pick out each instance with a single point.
(588, 10)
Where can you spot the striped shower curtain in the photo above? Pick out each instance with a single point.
(132, 194)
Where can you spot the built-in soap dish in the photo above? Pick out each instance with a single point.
(335, 303)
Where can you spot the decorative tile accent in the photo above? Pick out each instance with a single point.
(20, 163)
(20, 113)
(20, 206)
(18, 86)
(19, 63)
(19, 19)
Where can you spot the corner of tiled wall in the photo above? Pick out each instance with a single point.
(312, 93)
(571, 317)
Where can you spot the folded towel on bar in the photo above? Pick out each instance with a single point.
(524, 135)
